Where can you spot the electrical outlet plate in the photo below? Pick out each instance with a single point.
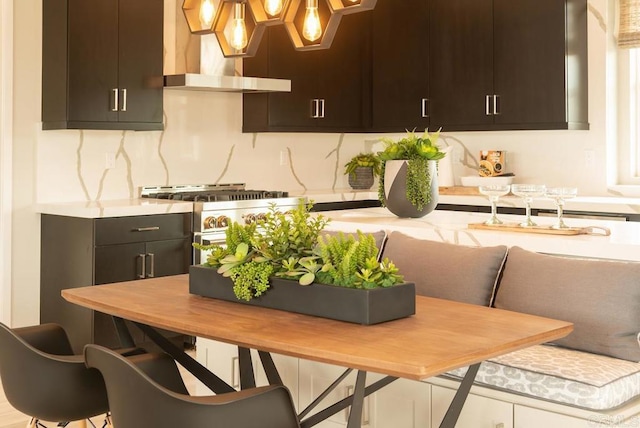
(110, 160)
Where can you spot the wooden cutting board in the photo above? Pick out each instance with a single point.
(514, 227)
(459, 190)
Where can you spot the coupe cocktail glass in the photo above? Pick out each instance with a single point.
(527, 192)
(494, 192)
(559, 196)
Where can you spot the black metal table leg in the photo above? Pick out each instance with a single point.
(270, 368)
(247, 377)
(124, 335)
(453, 413)
(213, 382)
(355, 413)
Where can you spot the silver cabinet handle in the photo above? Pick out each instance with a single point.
(425, 107)
(152, 267)
(235, 372)
(315, 108)
(321, 116)
(487, 105)
(146, 229)
(115, 99)
(124, 100)
(143, 262)
(496, 110)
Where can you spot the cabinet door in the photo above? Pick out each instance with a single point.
(478, 412)
(400, 65)
(461, 66)
(164, 258)
(93, 60)
(529, 46)
(526, 417)
(118, 263)
(140, 60)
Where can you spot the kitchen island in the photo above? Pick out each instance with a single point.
(452, 226)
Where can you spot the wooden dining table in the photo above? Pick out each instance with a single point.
(442, 335)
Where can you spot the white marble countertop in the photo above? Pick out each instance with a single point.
(596, 204)
(452, 227)
(115, 208)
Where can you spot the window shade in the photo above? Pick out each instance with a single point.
(629, 24)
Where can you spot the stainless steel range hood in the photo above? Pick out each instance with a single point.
(206, 82)
(200, 66)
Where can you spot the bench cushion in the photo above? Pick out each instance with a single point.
(600, 297)
(567, 376)
(447, 271)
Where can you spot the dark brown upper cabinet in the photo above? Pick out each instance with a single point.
(508, 64)
(330, 88)
(102, 64)
(400, 65)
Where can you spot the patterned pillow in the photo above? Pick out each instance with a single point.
(600, 297)
(447, 271)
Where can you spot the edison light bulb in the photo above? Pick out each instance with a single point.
(238, 28)
(311, 29)
(207, 13)
(273, 7)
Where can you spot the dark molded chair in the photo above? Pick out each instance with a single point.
(43, 379)
(137, 398)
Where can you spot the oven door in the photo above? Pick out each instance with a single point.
(209, 238)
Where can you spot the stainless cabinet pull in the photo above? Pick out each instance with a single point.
(321, 102)
(152, 267)
(146, 229)
(487, 105)
(235, 372)
(143, 263)
(124, 100)
(115, 99)
(425, 107)
(496, 110)
(314, 108)
(365, 407)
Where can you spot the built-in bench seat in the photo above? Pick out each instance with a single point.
(580, 379)
(596, 367)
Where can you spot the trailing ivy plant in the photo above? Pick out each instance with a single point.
(289, 245)
(418, 151)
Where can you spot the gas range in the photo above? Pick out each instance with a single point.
(215, 206)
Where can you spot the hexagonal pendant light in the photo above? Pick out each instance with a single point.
(200, 15)
(311, 24)
(269, 12)
(240, 24)
(236, 29)
(347, 7)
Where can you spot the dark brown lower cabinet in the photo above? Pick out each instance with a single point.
(78, 252)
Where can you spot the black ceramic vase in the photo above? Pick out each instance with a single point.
(395, 189)
(361, 178)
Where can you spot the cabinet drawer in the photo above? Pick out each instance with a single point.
(122, 230)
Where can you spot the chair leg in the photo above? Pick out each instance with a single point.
(82, 423)
(107, 421)
(32, 423)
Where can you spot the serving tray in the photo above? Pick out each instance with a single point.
(515, 227)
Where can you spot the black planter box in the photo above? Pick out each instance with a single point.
(339, 303)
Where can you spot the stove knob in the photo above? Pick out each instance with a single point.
(222, 221)
(261, 217)
(249, 218)
(209, 222)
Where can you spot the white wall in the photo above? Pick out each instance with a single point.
(202, 142)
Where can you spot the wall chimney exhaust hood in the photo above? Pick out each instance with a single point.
(201, 66)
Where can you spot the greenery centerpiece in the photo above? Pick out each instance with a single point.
(288, 251)
(362, 169)
(414, 176)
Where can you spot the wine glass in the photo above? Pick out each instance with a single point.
(494, 192)
(559, 196)
(527, 192)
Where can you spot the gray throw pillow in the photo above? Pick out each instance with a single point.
(447, 271)
(600, 297)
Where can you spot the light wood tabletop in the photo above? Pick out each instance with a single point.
(441, 336)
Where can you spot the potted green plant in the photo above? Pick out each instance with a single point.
(284, 261)
(362, 169)
(408, 184)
